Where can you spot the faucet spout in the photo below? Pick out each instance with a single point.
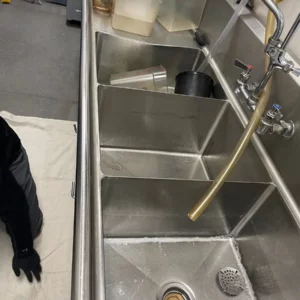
(273, 7)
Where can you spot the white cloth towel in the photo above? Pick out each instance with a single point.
(51, 148)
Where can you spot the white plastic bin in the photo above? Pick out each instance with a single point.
(136, 16)
(177, 15)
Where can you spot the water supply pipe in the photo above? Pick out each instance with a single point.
(264, 95)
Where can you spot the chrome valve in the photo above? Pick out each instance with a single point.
(273, 122)
(243, 87)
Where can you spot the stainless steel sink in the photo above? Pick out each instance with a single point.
(159, 153)
(149, 241)
(157, 135)
(152, 157)
(138, 268)
(117, 54)
(158, 208)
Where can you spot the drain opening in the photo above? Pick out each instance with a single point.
(175, 291)
(231, 281)
(176, 295)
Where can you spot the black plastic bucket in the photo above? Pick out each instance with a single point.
(194, 84)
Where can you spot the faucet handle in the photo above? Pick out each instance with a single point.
(295, 71)
(246, 70)
(277, 107)
(239, 64)
(288, 65)
(275, 113)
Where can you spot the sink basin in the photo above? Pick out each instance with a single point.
(117, 55)
(138, 268)
(158, 155)
(175, 251)
(157, 207)
(158, 135)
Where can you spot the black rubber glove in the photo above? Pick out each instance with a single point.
(29, 262)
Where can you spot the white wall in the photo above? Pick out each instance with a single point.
(290, 8)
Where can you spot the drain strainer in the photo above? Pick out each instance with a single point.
(231, 281)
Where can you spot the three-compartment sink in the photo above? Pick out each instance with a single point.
(159, 153)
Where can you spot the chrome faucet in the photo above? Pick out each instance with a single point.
(276, 50)
(243, 86)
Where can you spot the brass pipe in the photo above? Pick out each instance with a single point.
(103, 6)
(210, 194)
(104, 9)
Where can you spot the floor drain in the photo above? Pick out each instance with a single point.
(175, 291)
(231, 281)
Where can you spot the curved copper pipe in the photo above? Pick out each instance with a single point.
(105, 9)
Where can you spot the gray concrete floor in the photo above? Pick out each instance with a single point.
(39, 61)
